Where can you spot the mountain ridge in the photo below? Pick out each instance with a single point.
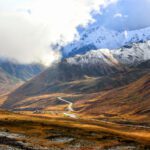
(100, 37)
(21, 71)
(97, 70)
(132, 54)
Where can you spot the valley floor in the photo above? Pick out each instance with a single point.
(48, 132)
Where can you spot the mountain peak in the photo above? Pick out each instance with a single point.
(99, 37)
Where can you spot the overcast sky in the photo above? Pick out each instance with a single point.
(29, 27)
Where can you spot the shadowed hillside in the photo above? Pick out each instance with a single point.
(21, 71)
(58, 80)
(133, 99)
(7, 82)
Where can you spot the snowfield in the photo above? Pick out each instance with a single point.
(97, 37)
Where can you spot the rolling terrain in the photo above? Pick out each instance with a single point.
(48, 133)
(95, 71)
(128, 101)
(75, 75)
(98, 100)
(14, 74)
(38, 94)
(125, 124)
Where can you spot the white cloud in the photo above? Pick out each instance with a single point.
(28, 27)
(118, 15)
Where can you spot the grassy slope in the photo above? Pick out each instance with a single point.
(90, 131)
(30, 94)
(133, 99)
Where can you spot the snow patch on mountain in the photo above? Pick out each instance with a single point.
(134, 53)
(102, 56)
(101, 38)
(129, 55)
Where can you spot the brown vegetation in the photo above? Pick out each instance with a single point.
(129, 101)
(42, 132)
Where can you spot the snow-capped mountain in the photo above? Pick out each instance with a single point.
(132, 54)
(101, 57)
(96, 62)
(101, 38)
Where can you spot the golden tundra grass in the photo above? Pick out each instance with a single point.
(44, 127)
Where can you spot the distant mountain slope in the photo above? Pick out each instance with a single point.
(21, 71)
(96, 37)
(42, 91)
(132, 54)
(133, 99)
(68, 80)
(13, 74)
(94, 71)
(7, 82)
